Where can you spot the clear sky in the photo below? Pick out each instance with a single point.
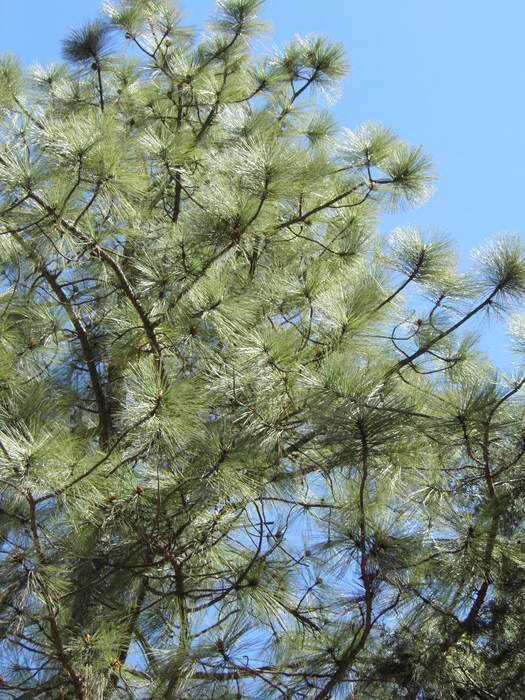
(446, 74)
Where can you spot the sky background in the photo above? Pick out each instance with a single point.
(445, 74)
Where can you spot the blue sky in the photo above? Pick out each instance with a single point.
(446, 74)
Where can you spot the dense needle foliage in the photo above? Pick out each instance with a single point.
(234, 461)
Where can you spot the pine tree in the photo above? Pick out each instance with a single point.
(248, 448)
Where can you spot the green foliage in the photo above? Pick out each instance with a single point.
(502, 266)
(235, 17)
(87, 44)
(248, 448)
(11, 79)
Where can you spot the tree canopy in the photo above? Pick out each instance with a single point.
(249, 447)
